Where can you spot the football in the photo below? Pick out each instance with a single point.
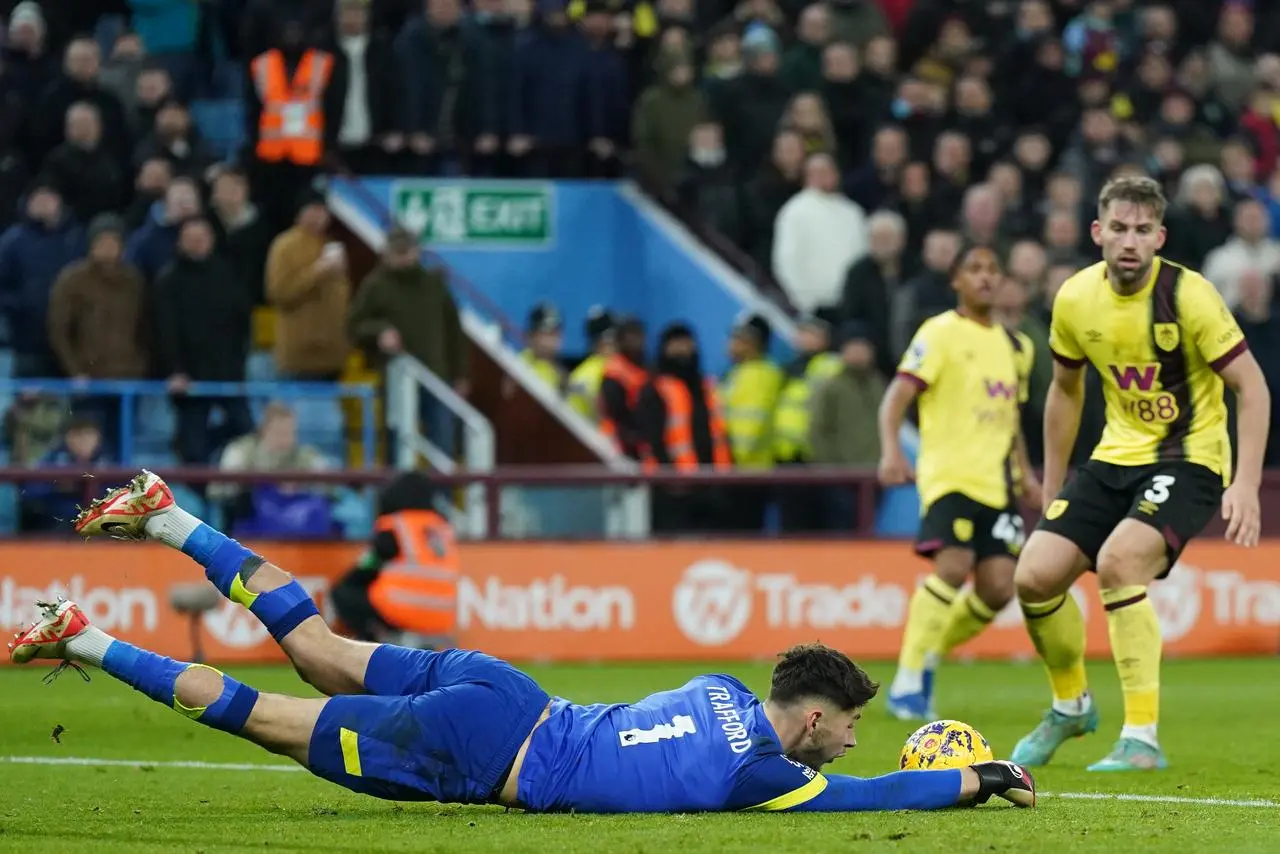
(944, 744)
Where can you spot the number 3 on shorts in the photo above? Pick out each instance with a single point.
(1008, 530)
(1159, 491)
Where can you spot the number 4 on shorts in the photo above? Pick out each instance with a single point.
(1008, 529)
(1159, 491)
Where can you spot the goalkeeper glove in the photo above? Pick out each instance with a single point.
(1011, 782)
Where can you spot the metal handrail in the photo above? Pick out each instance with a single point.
(129, 390)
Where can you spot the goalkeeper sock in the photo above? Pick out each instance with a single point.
(966, 619)
(157, 675)
(927, 618)
(229, 566)
(1057, 631)
(1136, 645)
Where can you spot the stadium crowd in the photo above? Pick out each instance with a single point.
(847, 146)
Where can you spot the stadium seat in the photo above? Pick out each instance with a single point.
(320, 424)
(154, 428)
(221, 125)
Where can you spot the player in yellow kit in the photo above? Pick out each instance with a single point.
(1164, 344)
(969, 377)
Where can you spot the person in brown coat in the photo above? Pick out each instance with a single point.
(97, 322)
(307, 282)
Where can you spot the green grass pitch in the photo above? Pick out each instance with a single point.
(1219, 731)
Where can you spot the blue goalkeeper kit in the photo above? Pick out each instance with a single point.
(446, 726)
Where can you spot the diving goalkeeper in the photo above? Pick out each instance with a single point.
(463, 727)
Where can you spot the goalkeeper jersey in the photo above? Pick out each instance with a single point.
(706, 746)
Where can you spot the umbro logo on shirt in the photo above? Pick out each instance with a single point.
(1094, 336)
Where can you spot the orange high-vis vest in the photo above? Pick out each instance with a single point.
(292, 124)
(632, 378)
(418, 590)
(678, 435)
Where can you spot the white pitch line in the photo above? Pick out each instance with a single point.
(245, 766)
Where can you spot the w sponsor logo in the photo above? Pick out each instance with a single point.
(1128, 376)
(999, 389)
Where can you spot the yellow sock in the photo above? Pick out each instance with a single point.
(1057, 630)
(966, 619)
(1136, 646)
(927, 618)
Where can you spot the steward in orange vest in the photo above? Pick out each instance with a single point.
(291, 123)
(680, 418)
(405, 586)
(624, 377)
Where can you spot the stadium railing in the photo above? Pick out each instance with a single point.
(132, 391)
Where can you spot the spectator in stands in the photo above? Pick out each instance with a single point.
(842, 427)
(403, 307)
(859, 22)
(150, 248)
(874, 280)
(1062, 238)
(585, 379)
(800, 507)
(437, 56)
(920, 209)
(818, 234)
(92, 180)
(1199, 220)
(370, 92)
(751, 105)
(175, 139)
(683, 429)
(203, 311)
(1011, 310)
(982, 218)
(1028, 264)
(242, 232)
(973, 118)
(1231, 54)
(149, 188)
(287, 136)
(122, 70)
(264, 20)
(497, 23)
(724, 58)
(952, 176)
(604, 91)
(847, 101)
(544, 340)
(1178, 121)
(802, 64)
(307, 282)
(1250, 248)
(665, 116)
(545, 112)
(29, 67)
(168, 32)
(708, 185)
(927, 293)
(768, 190)
(31, 255)
(1242, 172)
(625, 374)
(32, 426)
(79, 82)
(97, 322)
(1255, 313)
(1017, 212)
(47, 506)
(807, 116)
(153, 89)
(272, 447)
(1097, 150)
(748, 396)
(877, 181)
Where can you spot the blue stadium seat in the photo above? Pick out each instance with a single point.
(154, 427)
(320, 423)
(221, 125)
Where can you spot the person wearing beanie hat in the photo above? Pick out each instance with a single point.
(624, 376)
(545, 338)
(678, 414)
(800, 507)
(968, 377)
(749, 395)
(585, 380)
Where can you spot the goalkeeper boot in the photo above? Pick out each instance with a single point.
(123, 512)
(1038, 747)
(47, 638)
(1132, 754)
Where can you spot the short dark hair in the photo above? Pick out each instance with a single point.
(1135, 190)
(817, 670)
(967, 247)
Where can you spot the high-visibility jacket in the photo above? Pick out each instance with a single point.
(678, 436)
(417, 591)
(632, 378)
(791, 418)
(549, 372)
(584, 385)
(292, 124)
(749, 394)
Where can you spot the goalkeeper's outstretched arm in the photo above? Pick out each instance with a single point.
(924, 790)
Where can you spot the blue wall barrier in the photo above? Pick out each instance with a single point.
(575, 244)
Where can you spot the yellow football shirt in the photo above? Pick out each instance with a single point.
(973, 381)
(1158, 352)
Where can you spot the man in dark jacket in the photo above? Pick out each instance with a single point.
(605, 92)
(204, 313)
(752, 104)
(242, 232)
(545, 110)
(150, 248)
(872, 283)
(370, 92)
(174, 138)
(91, 178)
(79, 82)
(31, 255)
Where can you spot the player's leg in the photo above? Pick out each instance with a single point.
(281, 724)
(1171, 505)
(946, 536)
(145, 509)
(974, 609)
